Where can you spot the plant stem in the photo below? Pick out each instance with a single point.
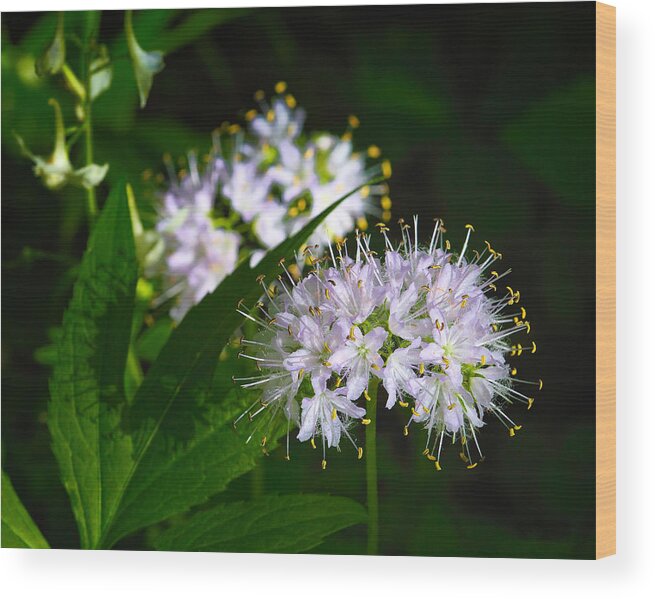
(92, 205)
(372, 470)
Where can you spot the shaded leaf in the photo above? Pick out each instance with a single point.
(284, 524)
(87, 388)
(552, 139)
(18, 528)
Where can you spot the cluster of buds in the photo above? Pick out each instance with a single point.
(426, 323)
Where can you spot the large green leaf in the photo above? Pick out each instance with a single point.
(283, 524)
(87, 388)
(185, 451)
(18, 528)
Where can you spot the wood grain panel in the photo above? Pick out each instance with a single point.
(605, 280)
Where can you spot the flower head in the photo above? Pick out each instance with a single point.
(267, 182)
(425, 321)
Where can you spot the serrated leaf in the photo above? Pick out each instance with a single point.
(87, 387)
(184, 452)
(279, 524)
(18, 528)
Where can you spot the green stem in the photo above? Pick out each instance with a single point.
(92, 205)
(372, 469)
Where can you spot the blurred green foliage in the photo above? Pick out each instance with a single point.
(487, 114)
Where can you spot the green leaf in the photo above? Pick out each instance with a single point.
(553, 138)
(18, 528)
(184, 450)
(284, 524)
(87, 387)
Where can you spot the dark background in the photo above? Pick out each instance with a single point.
(487, 115)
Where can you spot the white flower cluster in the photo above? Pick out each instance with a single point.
(421, 321)
(266, 183)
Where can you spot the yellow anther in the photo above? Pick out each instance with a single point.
(437, 465)
(421, 368)
(360, 284)
(451, 406)
(492, 286)
(511, 432)
(360, 453)
(313, 443)
(351, 334)
(405, 431)
(374, 152)
(353, 121)
(347, 136)
(386, 216)
(541, 384)
(523, 313)
(447, 244)
(290, 100)
(530, 402)
(494, 273)
(471, 466)
(302, 204)
(334, 413)
(483, 360)
(263, 441)
(426, 452)
(375, 366)
(386, 169)
(519, 349)
(280, 87)
(327, 293)
(251, 114)
(403, 404)
(415, 413)
(300, 373)
(232, 129)
(463, 457)
(513, 372)
(366, 395)
(534, 348)
(471, 227)
(432, 458)
(426, 410)
(385, 202)
(518, 427)
(362, 223)
(527, 326)
(463, 303)
(324, 464)
(293, 212)
(366, 421)
(338, 382)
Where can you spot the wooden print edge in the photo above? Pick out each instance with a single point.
(605, 280)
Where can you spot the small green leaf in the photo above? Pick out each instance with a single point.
(184, 452)
(18, 528)
(279, 524)
(87, 388)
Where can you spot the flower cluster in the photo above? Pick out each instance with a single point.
(421, 321)
(258, 187)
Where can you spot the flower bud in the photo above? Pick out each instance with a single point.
(145, 64)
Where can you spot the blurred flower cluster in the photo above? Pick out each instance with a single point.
(257, 187)
(422, 321)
